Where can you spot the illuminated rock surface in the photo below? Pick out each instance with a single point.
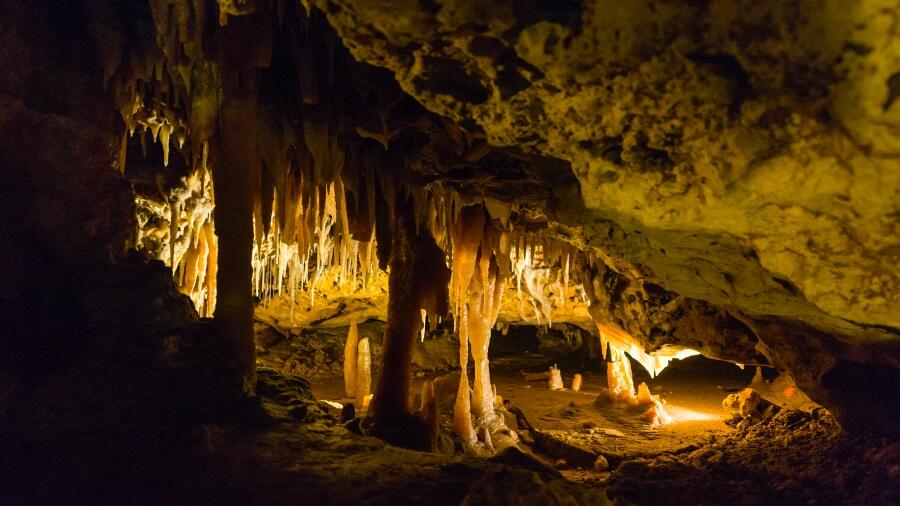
(739, 181)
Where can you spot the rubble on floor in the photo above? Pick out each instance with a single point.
(791, 457)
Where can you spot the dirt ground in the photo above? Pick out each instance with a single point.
(798, 455)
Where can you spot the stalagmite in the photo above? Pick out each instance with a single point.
(477, 300)
(350, 354)
(576, 383)
(555, 382)
(429, 413)
(462, 408)
(483, 305)
(618, 377)
(643, 395)
(621, 389)
(363, 374)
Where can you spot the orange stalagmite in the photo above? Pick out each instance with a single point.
(618, 377)
(476, 288)
(467, 234)
(483, 306)
(350, 351)
(363, 373)
(576, 383)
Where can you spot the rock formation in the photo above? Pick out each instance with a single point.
(718, 176)
(733, 159)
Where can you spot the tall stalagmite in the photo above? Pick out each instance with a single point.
(467, 233)
(485, 291)
(476, 289)
(363, 375)
(350, 370)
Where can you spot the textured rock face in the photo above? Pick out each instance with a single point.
(99, 348)
(726, 173)
(742, 157)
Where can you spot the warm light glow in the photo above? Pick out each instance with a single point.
(680, 414)
(620, 384)
(333, 404)
(653, 362)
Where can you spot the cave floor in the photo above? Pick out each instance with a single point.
(694, 399)
(798, 456)
(301, 455)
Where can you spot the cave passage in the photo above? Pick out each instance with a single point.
(449, 252)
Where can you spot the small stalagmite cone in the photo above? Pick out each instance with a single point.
(366, 402)
(350, 353)
(363, 374)
(555, 381)
(576, 383)
(644, 397)
(430, 413)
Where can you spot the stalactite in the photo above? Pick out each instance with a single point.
(653, 362)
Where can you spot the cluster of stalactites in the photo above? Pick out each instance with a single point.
(180, 232)
(536, 264)
(541, 268)
(164, 86)
(312, 249)
(653, 362)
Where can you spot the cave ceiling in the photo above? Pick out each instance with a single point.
(740, 153)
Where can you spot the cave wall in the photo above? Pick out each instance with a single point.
(65, 206)
(102, 358)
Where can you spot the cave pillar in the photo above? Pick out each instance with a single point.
(483, 303)
(234, 178)
(418, 280)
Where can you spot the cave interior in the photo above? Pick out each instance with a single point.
(450, 252)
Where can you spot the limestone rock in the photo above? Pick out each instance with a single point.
(733, 178)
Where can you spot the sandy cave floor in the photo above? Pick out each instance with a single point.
(617, 428)
(797, 456)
